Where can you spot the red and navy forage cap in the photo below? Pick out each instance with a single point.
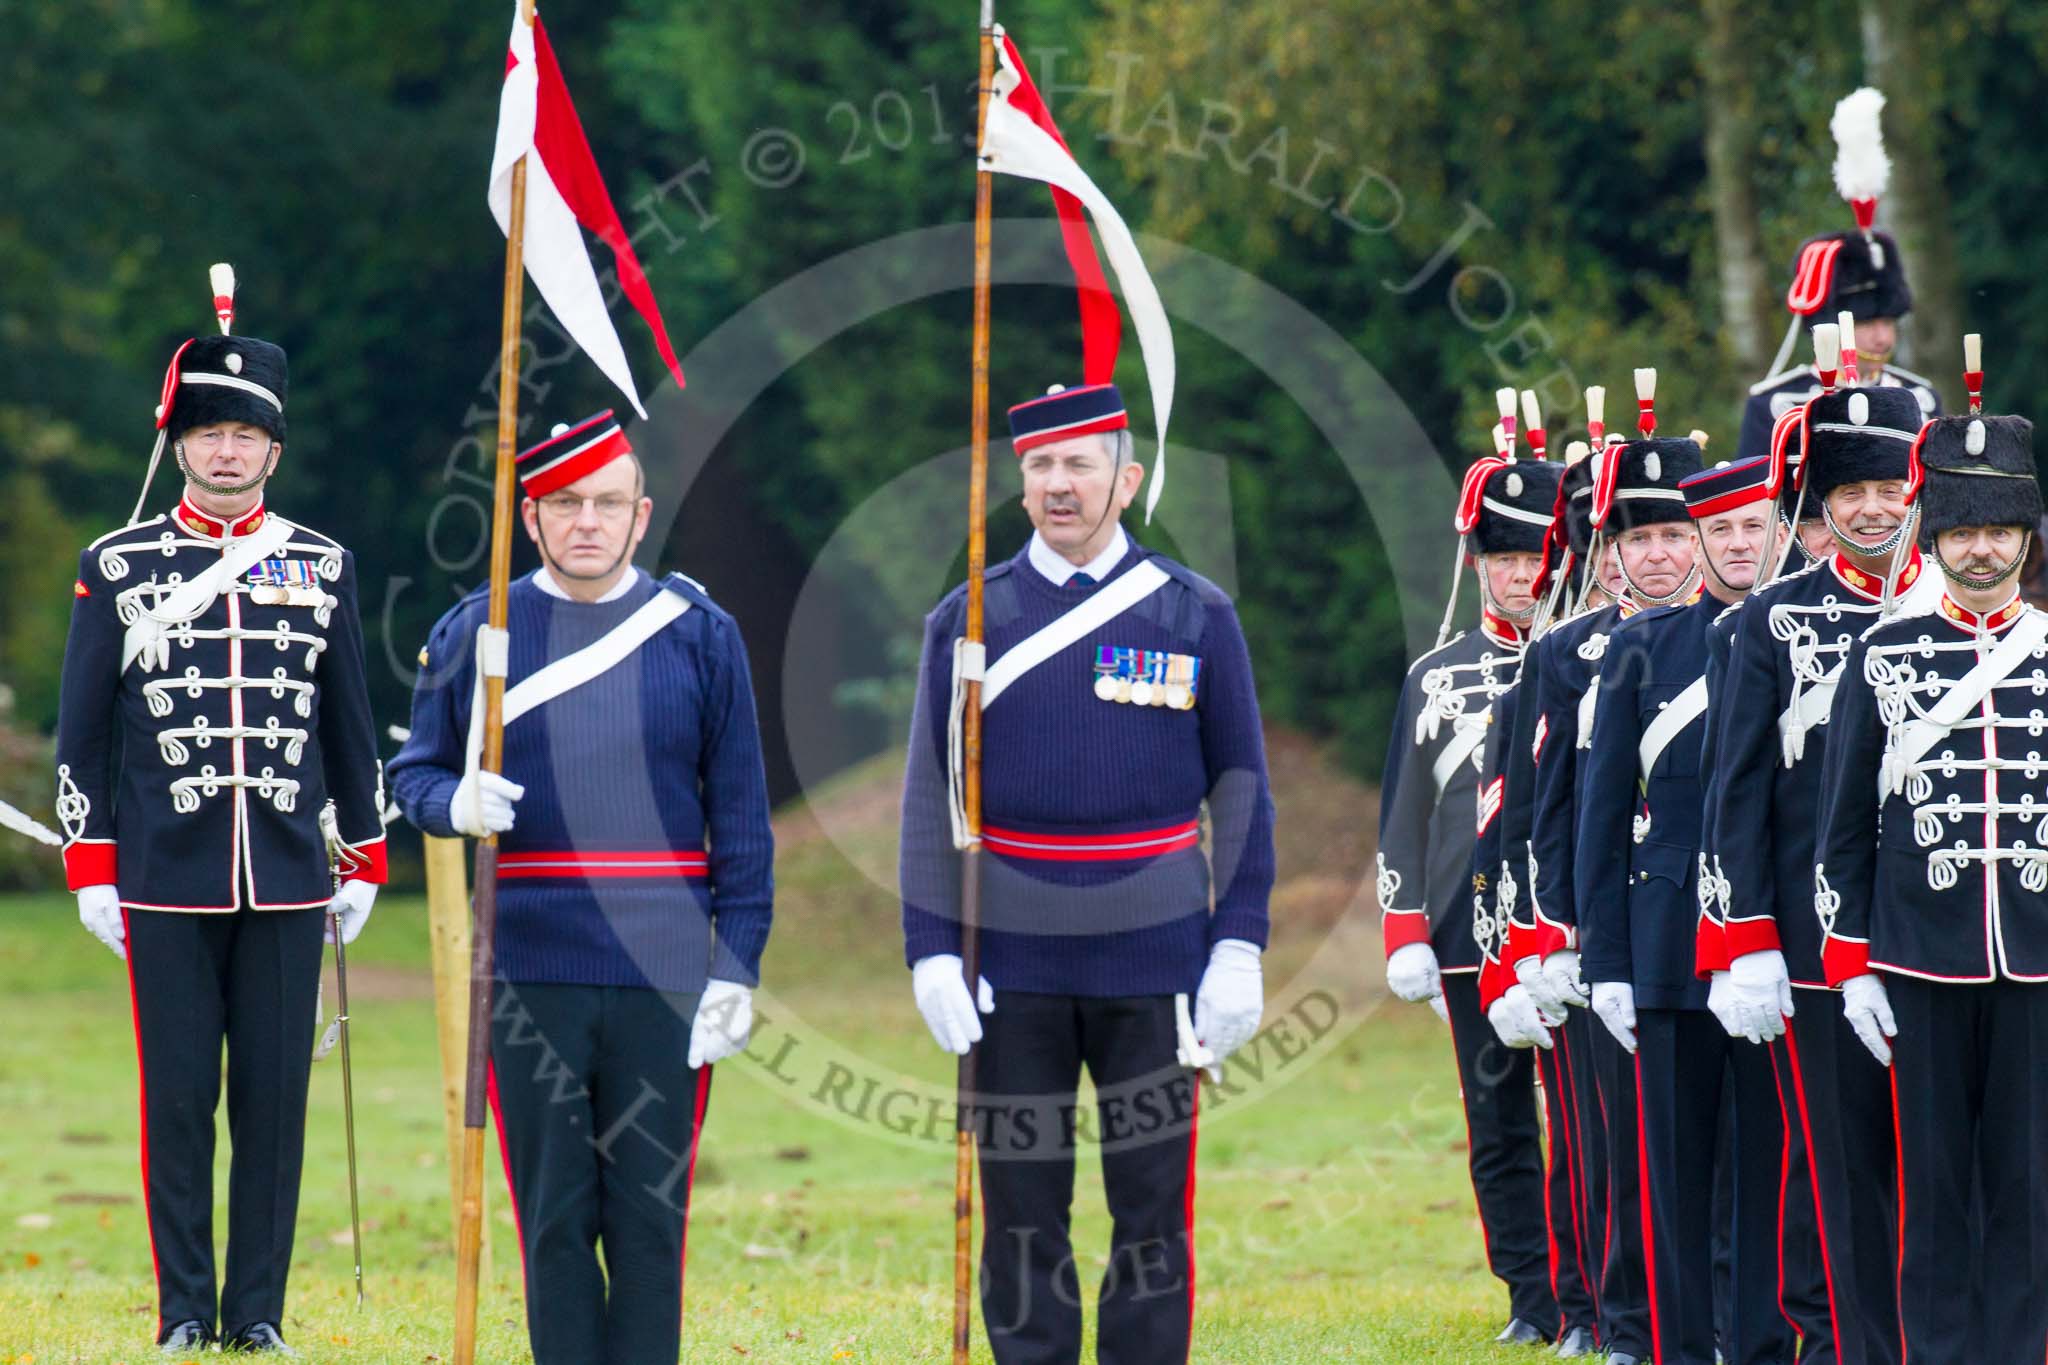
(1063, 413)
(224, 379)
(1975, 471)
(570, 453)
(1727, 486)
(1516, 502)
(1855, 434)
(1639, 482)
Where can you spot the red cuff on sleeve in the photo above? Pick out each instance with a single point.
(1548, 938)
(89, 862)
(1758, 935)
(1842, 958)
(1494, 980)
(1403, 927)
(365, 863)
(1710, 948)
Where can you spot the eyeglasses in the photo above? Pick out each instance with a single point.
(611, 507)
(246, 442)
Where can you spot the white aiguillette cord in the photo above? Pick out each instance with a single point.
(148, 638)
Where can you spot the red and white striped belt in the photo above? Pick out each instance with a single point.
(584, 864)
(1090, 848)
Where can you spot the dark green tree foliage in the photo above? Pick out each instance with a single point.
(1525, 189)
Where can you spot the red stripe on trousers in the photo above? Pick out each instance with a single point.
(1543, 1065)
(1820, 1218)
(1784, 1179)
(505, 1158)
(142, 1090)
(1188, 1203)
(1575, 1169)
(690, 1175)
(1899, 1141)
(1649, 1220)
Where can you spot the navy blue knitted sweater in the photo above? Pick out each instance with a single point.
(1064, 773)
(629, 779)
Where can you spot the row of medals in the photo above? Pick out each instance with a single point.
(1169, 682)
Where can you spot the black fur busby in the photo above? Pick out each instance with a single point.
(1979, 471)
(1856, 434)
(1868, 276)
(1515, 508)
(230, 379)
(1644, 481)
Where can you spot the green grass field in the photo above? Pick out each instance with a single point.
(1335, 1221)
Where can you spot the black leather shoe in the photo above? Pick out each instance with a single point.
(1520, 1333)
(1575, 1343)
(185, 1337)
(259, 1336)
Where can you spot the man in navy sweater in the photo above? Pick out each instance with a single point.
(1135, 709)
(635, 887)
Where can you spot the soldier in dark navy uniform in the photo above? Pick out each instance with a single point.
(1636, 876)
(1119, 709)
(1524, 1011)
(1931, 886)
(1427, 838)
(1856, 275)
(1782, 676)
(213, 703)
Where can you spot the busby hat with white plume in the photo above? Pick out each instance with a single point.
(1858, 271)
(1856, 435)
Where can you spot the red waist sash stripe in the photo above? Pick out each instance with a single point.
(659, 863)
(1068, 848)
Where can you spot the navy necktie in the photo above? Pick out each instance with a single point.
(1081, 580)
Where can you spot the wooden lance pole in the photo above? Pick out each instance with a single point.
(469, 1228)
(970, 856)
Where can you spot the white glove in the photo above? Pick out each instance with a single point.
(353, 904)
(940, 984)
(1518, 1019)
(99, 910)
(725, 1019)
(1615, 1003)
(1869, 1010)
(1412, 973)
(1721, 1004)
(1561, 974)
(1763, 994)
(482, 804)
(1231, 997)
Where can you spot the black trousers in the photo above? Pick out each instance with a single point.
(1803, 1290)
(247, 980)
(1573, 1262)
(1624, 1286)
(1970, 1101)
(1028, 1121)
(1683, 1058)
(599, 1115)
(1843, 1098)
(1580, 1064)
(1506, 1154)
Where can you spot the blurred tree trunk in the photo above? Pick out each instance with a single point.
(1725, 66)
(1899, 58)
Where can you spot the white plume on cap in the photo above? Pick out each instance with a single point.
(222, 277)
(1973, 352)
(1532, 416)
(1505, 399)
(1596, 405)
(1500, 439)
(1646, 385)
(1827, 344)
(1862, 170)
(1698, 438)
(1576, 451)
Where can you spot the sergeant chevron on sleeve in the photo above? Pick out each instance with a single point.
(213, 702)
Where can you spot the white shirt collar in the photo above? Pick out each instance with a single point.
(1054, 566)
(545, 581)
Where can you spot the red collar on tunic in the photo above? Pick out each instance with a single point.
(192, 519)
